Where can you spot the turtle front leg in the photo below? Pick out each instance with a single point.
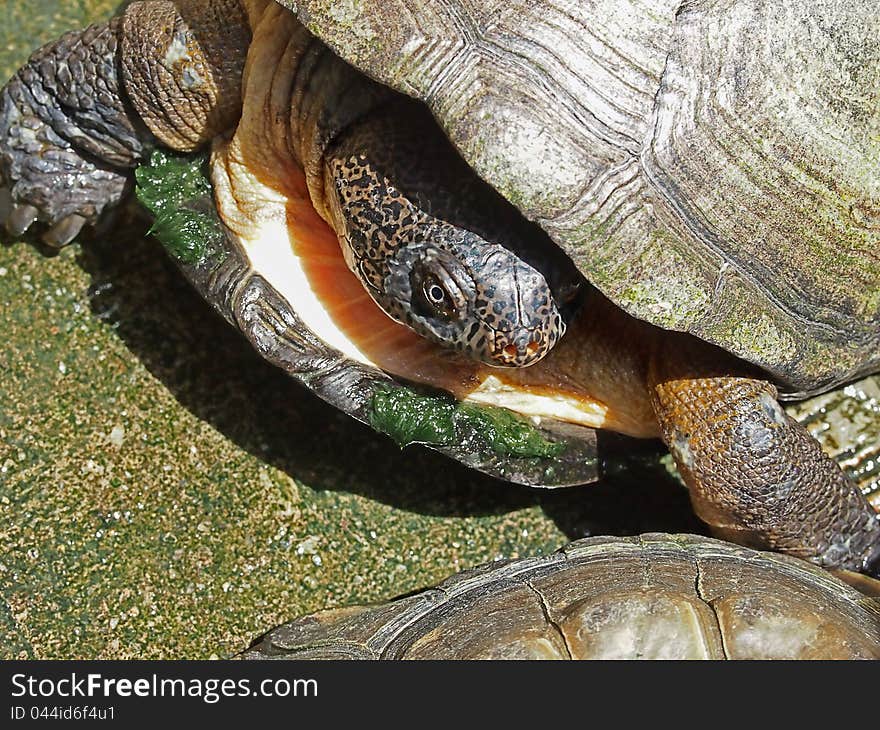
(755, 475)
(67, 137)
(86, 109)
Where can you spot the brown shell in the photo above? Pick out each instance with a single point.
(650, 597)
(713, 167)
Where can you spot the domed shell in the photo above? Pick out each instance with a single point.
(713, 167)
(651, 597)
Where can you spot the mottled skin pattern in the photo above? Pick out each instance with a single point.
(421, 231)
(754, 474)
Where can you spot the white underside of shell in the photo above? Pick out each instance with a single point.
(260, 226)
(495, 392)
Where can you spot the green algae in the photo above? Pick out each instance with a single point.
(177, 191)
(436, 419)
(508, 433)
(229, 499)
(410, 418)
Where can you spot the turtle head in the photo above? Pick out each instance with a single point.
(464, 292)
(440, 251)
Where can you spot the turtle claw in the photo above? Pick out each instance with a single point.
(64, 231)
(68, 141)
(20, 219)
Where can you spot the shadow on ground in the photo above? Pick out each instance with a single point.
(213, 372)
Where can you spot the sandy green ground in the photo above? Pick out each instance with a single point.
(163, 493)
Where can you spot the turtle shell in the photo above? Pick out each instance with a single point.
(845, 421)
(259, 294)
(651, 597)
(712, 167)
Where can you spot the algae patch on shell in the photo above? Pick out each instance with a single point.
(409, 417)
(177, 191)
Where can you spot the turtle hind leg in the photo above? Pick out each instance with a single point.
(755, 475)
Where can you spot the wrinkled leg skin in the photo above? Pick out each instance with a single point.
(755, 475)
(87, 108)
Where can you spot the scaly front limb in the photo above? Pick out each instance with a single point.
(85, 109)
(755, 475)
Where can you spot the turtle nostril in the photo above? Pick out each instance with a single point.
(509, 352)
(533, 347)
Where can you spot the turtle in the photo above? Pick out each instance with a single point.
(708, 168)
(654, 596)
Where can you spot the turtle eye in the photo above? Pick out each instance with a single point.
(435, 293)
(438, 298)
(434, 298)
